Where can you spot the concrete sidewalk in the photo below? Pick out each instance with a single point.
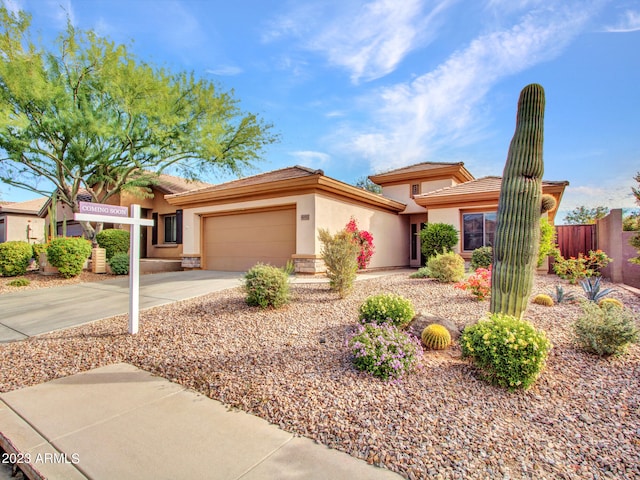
(122, 422)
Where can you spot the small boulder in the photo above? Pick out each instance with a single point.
(422, 321)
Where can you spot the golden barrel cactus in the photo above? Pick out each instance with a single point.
(436, 337)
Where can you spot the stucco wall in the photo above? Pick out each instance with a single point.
(390, 231)
(24, 228)
(402, 193)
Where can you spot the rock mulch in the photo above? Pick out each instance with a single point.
(292, 367)
(38, 280)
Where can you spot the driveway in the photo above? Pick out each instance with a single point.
(33, 312)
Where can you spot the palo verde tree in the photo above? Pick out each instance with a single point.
(584, 215)
(88, 114)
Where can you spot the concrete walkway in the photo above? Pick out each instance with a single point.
(121, 422)
(34, 312)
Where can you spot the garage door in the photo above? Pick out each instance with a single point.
(236, 242)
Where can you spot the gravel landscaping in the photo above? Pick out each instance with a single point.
(292, 367)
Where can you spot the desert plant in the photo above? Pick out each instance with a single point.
(446, 267)
(364, 241)
(19, 282)
(339, 254)
(119, 263)
(435, 337)
(510, 352)
(605, 331)
(610, 302)
(438, 238)
(543, 299)
(39, 248)
(384, 351)
(635, 243)
(14, 258)
(481, 258)
(113, 241)
(266, 285)
(592, 289)
(478, 283)
(561, 296)
(387, 308)
(68, 255)
(582, 266)
(520, 206)
(548, 246)
(422, 272)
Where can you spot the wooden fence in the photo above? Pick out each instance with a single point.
(575, 239)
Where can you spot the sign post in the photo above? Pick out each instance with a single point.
(98, 212)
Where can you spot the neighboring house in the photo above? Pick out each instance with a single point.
(275, 216)
(164, 240)
(20, 221)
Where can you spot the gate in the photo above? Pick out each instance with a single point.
(575, 239)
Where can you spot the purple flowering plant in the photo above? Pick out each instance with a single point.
(384, 351)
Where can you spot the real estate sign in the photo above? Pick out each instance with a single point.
(100, 212)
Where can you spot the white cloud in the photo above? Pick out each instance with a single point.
(225, 70)
(441, 107)
(368, 39)
(630, 22)
(612, 195)
(310, 158)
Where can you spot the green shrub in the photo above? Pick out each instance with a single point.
(481, 258)
(119, 264)
(113, 241)
(606, 330)
(19, 282)
(438, 238)
(39, 248)
(14, 258)
(510, 352)
(266, 285)
(446, 267)
(420, 273)
(68, 255)
(384, 351)
(547, 246)
(387, 308)
(340, 256)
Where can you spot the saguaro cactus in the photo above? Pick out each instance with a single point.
(519, 209)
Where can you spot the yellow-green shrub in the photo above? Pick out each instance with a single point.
(510, 352)
(266, 285)
(14, 258)
(68, 255)
(446, 267)
(387, 308)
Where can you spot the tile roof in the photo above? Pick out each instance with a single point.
(418, 167)
(287, 173)
(480, 185)
(173, 184)
(29, 206)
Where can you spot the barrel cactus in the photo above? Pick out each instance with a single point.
(436, 337)
(610, 302)
(519, 209)
(543, 299)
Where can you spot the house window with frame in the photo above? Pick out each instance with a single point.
(415, 189)
(170, 229)
(2, 231)
(478, 230)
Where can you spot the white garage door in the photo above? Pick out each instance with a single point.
(235, 242)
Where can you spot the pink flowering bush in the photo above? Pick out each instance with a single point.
(364, 240)
(384, 351)
(479, 283)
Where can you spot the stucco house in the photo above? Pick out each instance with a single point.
(274, 217)
(164, 240)
(20, 221)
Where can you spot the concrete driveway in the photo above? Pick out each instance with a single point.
(33, 312)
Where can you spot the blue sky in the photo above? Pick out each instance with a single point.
(356, 87)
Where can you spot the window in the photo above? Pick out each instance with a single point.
(415, 189)
(478, 230)
(170, 229)
(2, 230)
